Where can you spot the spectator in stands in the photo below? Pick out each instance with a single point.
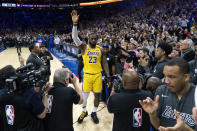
(187, 52)
(152, 83)
(193, 68)
(161, 53)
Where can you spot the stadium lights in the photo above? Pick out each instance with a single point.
(99, 2)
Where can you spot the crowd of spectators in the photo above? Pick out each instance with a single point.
(138, 27)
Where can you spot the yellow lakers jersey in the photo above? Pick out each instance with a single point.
(92, 60)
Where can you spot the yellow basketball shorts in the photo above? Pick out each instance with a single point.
(92, 82)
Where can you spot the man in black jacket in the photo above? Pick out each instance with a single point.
(61, 99)
(33, 57)
(128, 113)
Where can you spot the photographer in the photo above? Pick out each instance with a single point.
(20, 108)
(46, 56)
(128, 113)
(33, 57)
(61, 99)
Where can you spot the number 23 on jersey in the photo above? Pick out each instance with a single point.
(92, 60)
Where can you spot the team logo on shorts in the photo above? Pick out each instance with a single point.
(50, 101)
(9, 111)
(137, 117)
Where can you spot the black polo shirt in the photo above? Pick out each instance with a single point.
(169, 101)
(158, 69)
(128, 113)
(60, 116)
(20, 111)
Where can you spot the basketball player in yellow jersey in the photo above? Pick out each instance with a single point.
(92, 58)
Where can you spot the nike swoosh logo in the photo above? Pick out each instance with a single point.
(164, 96)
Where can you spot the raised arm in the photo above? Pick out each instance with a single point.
(150, 107)
(75, 37)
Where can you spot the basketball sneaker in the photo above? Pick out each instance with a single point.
(82, 116)
(94, 117)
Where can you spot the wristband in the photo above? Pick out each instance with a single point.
(45, 94)
(75, 24)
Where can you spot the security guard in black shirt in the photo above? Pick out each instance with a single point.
(110, 59)
(112, 69)
(128, 113)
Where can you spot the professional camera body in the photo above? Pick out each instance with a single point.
(26, 77)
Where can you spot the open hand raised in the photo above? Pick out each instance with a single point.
(149, 105)
(75, 17)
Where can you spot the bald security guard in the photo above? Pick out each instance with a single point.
(128, 113)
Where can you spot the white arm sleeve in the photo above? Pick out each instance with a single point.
(75, 37)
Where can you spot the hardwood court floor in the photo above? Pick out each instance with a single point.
(10, 57)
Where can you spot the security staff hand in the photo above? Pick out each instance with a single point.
(149, 105)
(180, 125)
(75, 17)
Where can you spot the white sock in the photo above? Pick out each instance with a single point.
(94, 109)
(85, 97)
(84, 109)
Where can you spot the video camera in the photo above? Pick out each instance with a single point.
(26, 78)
